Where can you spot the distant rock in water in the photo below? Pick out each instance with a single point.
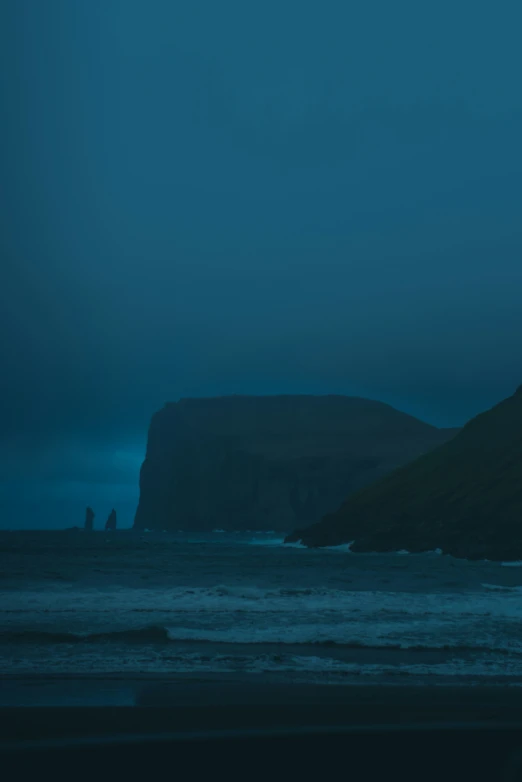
(269, 463)
(464, 497)
(110, 524)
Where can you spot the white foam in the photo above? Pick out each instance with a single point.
(267, 541)
(501, 588)
(314, 667)
(489, 619)
(228, 598)
(346, 547)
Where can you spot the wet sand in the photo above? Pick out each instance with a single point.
(90, 706)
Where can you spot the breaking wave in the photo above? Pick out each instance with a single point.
(157, 634)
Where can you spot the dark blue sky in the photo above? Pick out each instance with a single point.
(220, 197)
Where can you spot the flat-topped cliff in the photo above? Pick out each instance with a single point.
(269, 462)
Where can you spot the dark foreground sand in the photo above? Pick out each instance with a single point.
(258, 728)
(191, 705)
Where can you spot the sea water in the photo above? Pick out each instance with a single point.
(225, 602)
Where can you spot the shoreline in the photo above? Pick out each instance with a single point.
(153, 689)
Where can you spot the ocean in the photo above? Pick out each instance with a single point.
(183, 604)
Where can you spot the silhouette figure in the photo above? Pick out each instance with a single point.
(110, 524)
(89, 519)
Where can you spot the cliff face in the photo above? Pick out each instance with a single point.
(464, 497)
(269, 463)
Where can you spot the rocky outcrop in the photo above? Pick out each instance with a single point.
(464, 497)
(269, 463)
(110, 524)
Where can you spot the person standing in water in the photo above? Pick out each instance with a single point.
(110, 524)
(89, 519)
